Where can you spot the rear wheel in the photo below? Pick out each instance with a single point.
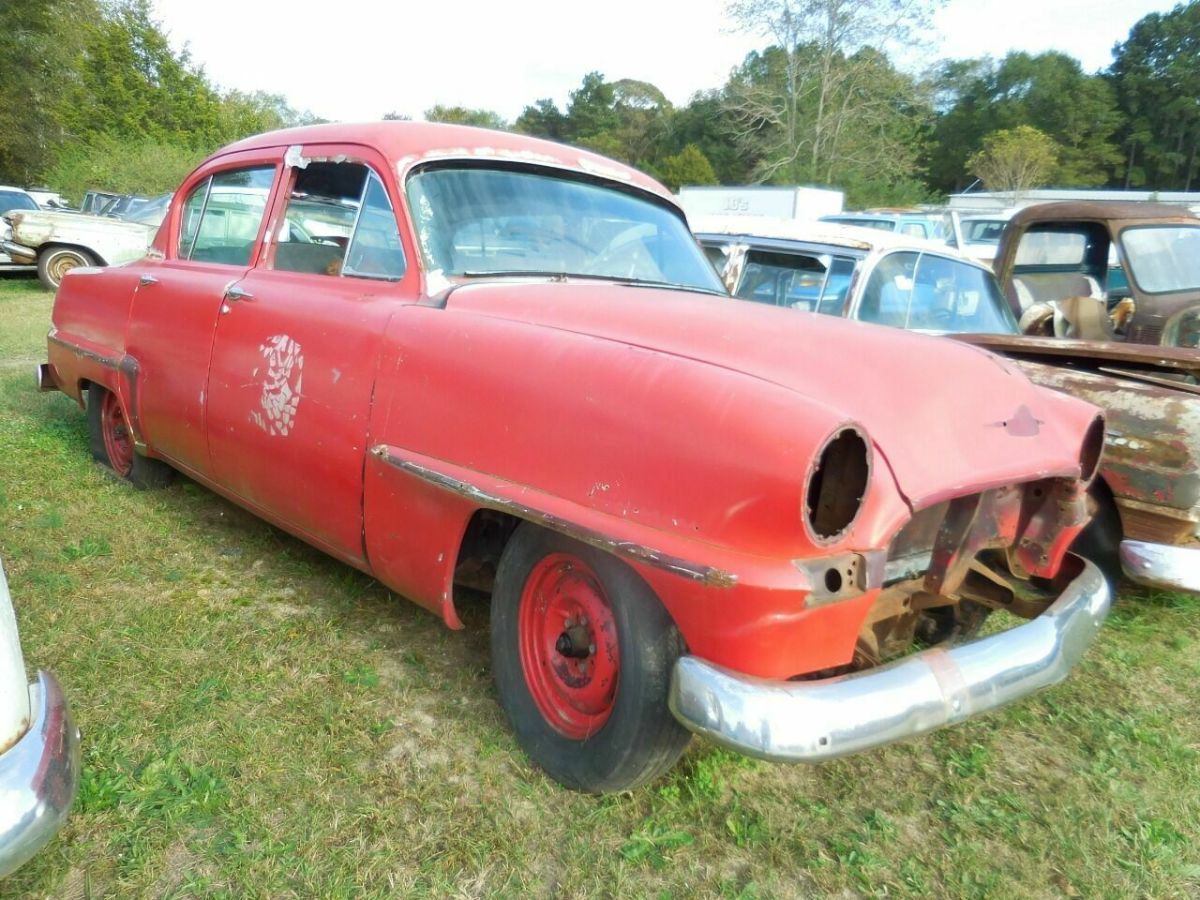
(112, 442)
(582, 654)
(56, 262)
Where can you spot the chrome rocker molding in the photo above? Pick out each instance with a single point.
(812, 721)
(39, 776)
(1162, 565)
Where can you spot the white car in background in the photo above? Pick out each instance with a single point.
(60, 241)
(39, 751)
(12, 199)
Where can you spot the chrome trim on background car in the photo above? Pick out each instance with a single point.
(813, 721)
(1161, 565)
(39, 776)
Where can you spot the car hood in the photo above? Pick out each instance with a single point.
(949, 419)
(78, 223)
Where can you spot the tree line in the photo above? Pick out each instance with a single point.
(92, 94)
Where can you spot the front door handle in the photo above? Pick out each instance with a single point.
(147, 279)
(236, 293)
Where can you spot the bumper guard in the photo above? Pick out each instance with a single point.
(1162, 565)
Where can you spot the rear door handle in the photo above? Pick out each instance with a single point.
(236, 293)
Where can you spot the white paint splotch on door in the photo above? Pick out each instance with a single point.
(280, 398)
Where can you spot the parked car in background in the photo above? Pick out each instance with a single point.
(977, 236)
(39, 751)
(94, 201)
(60, 241)
(912, 223)
(1147, 495)
(1109, 271)
(504, 362)
(12, 198)
(48, 199)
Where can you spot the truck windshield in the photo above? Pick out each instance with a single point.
(1163, 258)
(495, 222)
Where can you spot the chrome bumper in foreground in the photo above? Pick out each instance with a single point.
(39, 776)
(812, 721)
(1162, 565)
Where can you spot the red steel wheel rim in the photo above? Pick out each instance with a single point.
(567, 640)
(117, 441)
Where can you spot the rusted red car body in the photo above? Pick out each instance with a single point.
(393, 422)
(1148, 489)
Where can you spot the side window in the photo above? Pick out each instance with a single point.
(339, 221)
(230, 214)
(193, 206)
(375, 250)
(889, 290)
(837, 287)
(914, 229)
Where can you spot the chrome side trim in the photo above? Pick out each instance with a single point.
(706, 575)
(109, 362)
(813, 721)
(39, 777)
(1162, 565)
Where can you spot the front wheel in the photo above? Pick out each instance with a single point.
(582, 655)
(112, 442)
(56, 262)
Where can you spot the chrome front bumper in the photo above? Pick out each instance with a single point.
(812, 721)
(1162, 565)
(20, 254)
(39, 776)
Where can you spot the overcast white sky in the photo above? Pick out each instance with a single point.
(358, 59)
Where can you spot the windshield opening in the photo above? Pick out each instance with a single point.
(1163, 258)
(477, 221)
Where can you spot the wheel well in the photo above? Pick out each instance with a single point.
(1106, 502)
(484, 539)
(90, 253)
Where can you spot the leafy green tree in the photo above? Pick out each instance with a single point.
(126, 165)
(542, 119)
(461, 115)
(689, 166)
(40, 41)
(1156, 75)
(823, 104)
(1047, 91)
(1015, 161)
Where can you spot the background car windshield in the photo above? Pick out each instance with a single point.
(935, 293)
(473, 220)
(10, 200)
(1164, 259)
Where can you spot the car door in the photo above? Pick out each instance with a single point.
(213, 237)
(296, 349)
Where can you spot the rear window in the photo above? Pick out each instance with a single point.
(816, 282)
(1052, 248)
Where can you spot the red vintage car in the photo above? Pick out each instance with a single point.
(453, 356)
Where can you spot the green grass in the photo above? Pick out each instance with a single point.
(260, 720)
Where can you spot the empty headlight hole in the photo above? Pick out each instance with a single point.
(837, 485)
(1093, 449)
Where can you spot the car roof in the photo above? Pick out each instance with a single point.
(1100, 209)
(813, 232)
(410, 144)
(5, 187)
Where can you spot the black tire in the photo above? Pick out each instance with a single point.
(140, 471)
(640, 739)
(55, 262)
(1100, 541)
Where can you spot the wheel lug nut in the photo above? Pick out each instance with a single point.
(583, 620)
(591, 649)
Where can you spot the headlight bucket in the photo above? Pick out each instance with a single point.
(836, 485)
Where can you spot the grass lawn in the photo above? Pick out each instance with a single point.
(260, 720)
